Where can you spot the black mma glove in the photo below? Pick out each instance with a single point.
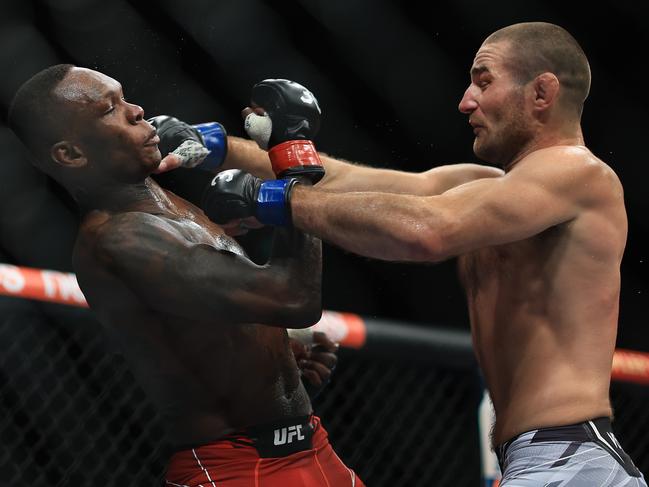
(290, 121)
(204, 144)
(235, 194)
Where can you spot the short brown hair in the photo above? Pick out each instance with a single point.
(540, 47)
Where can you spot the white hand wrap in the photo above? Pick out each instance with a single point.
(259, 128)
(191, 152)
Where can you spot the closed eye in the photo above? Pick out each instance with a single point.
(113, 106)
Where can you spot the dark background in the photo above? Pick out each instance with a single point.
(388, 76)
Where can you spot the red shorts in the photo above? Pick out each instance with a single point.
(293, 453)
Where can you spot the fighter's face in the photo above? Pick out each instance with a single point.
(110, 131)
(497, 108)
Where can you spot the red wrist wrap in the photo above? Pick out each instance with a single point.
(293, 153)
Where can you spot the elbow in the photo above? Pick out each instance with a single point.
(303, 315)
(431, 249)
(304, 309)
(310, 305)
(308, 318)
(428, 244)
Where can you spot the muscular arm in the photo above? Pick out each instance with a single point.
(342, 176)
(246, 155)
(175, 276)
(481, 213)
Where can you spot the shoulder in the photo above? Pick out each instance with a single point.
(570, 170)
(136, 224)
(567, 160)
(132, 220)
(123, 234)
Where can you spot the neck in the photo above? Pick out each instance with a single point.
(122, 197)
(546, 139)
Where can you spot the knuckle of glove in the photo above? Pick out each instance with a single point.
(269, 95)
(294, 110)
(301, 128)
(231, 195)
(173, 132)
(159, 120)
(164, 123)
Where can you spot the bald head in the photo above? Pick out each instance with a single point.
(540, 47)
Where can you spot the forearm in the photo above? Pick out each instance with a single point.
(343, 176)
(298, 257)
(179, 277)
(340, 175)
(246, 155)
(208, 282)
(378, 225)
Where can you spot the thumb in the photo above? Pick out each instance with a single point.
(168, 163)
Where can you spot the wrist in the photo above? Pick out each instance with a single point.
(273, 204)
(216, 141)
(294, 153)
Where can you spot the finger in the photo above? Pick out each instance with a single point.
(250, 223)
(236, 222)
(168, 163)
(235, 231)
(254, 109)
(323, 371)
(298, 348)
(312, 377)
(234, 228)
(322, 340)
(328, 359)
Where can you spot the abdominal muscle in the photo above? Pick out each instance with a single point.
(544, 335)
(536, 381)
(210, 379)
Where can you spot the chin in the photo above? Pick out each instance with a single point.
(483, 153)
(156, 156)
(490, 155)
(152, 162)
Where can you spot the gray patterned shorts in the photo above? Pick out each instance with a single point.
(581, 455)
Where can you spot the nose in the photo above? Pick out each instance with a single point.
(468, 102)
(135, 113)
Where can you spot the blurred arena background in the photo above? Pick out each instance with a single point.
(388, 76)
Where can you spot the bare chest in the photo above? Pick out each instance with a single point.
(511, 263)
(197, 228)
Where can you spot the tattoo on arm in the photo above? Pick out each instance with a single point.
(173, 275)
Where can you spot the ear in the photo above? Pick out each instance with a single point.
(546, 91)
(68, 154)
